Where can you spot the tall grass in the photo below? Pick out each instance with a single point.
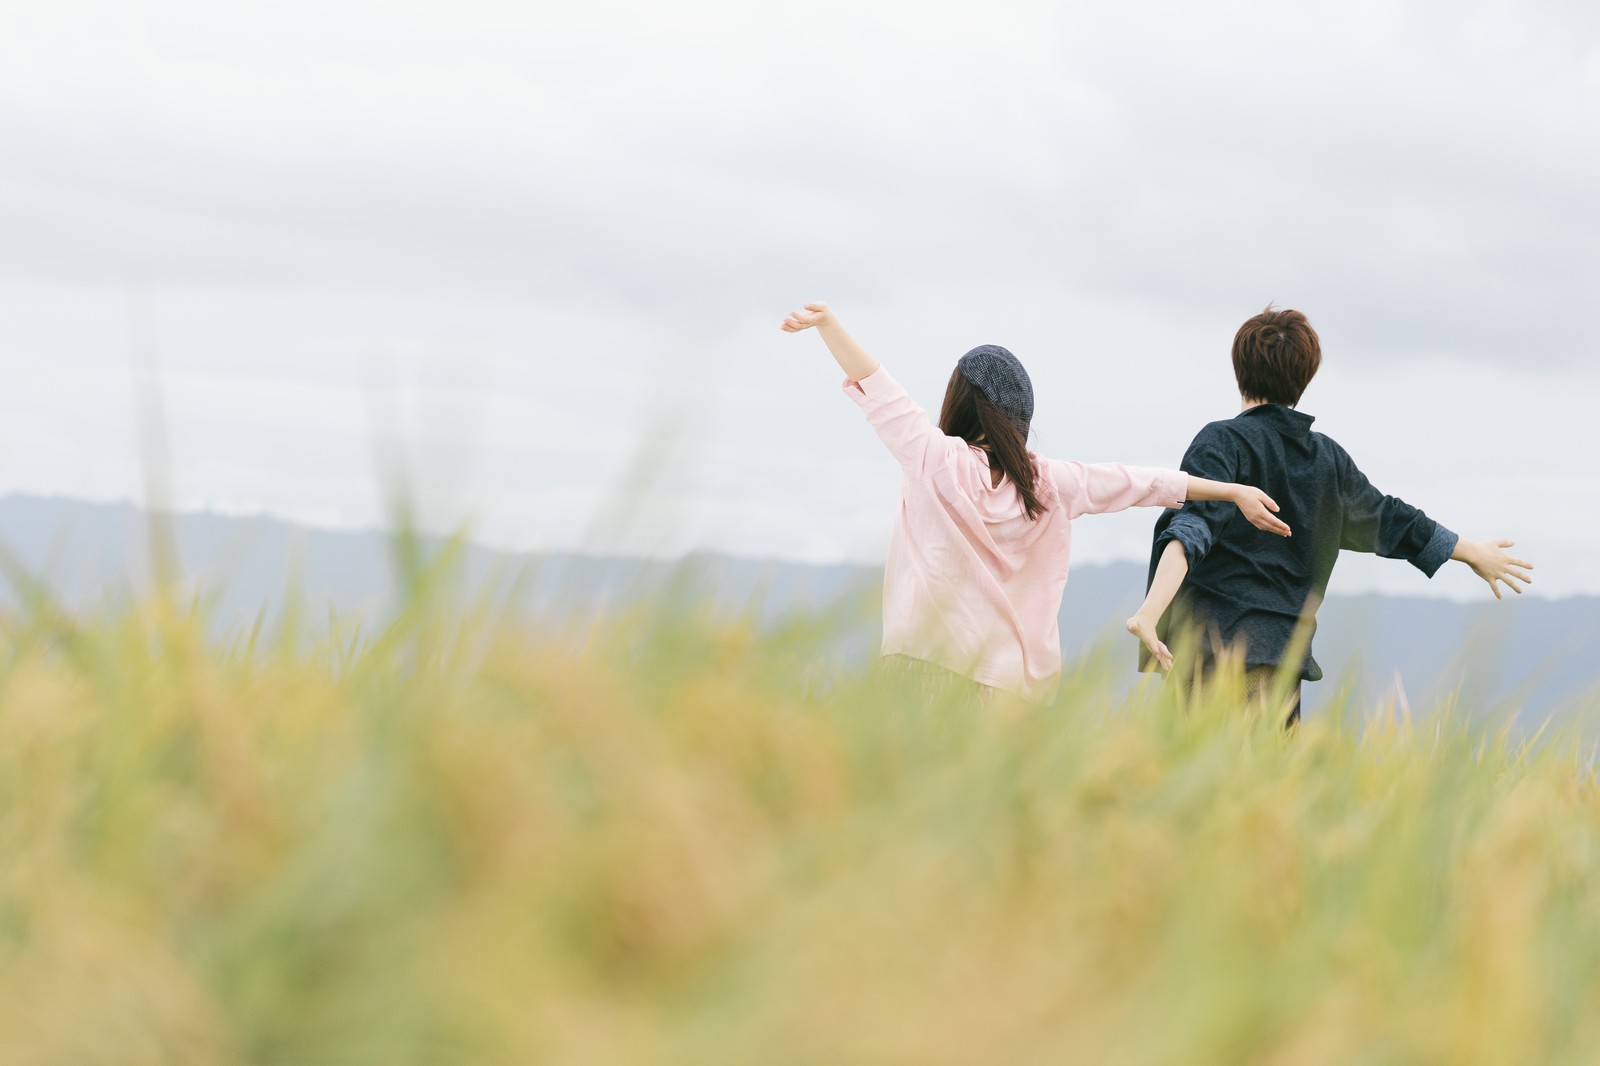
(668, 838)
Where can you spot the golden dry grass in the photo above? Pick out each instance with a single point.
(670, 839)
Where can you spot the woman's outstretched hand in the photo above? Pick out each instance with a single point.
(1143, 626)
(1259, 510)
(1257, 507)
(815, 314)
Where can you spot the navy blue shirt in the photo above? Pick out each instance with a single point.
(1245, 584)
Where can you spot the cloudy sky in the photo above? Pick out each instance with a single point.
(537, 255)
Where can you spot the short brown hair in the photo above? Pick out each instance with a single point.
(1275, 356)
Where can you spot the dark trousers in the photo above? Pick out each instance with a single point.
(1258, 689)
(1258, 682)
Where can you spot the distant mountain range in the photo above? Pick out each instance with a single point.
(1529, 658)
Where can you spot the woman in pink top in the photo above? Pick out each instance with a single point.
(978, 560)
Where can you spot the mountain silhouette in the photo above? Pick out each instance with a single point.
(1524, 659)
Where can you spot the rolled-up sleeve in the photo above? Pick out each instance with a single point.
(1213, 455)
(900, 423)
(1100, 488)
(1195, 527)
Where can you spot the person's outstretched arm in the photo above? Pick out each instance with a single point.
(851, 357)
(1258, 508)
(903, 426)
(1390, 527)
(1101, 488)
(1170, 572)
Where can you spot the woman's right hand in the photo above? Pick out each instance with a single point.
(1259, 510)
(851, 357)
(815, 314)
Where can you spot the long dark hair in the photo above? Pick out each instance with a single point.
(968, 414)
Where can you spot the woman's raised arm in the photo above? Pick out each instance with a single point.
(851, 357)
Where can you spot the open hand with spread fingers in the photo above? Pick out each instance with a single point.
(1490, 561)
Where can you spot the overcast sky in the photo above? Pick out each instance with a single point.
(541, 252)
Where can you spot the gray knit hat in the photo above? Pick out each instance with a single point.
(999, 376)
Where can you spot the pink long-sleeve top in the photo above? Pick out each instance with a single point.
(971, 583)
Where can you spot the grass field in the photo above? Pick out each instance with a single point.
(672, 839)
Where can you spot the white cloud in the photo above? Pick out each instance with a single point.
(572, 229)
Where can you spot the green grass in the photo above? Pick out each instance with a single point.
(673, 839)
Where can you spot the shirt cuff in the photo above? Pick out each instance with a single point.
(1440, 547)
(1193, 551)
(1174, 486)
(876, 386)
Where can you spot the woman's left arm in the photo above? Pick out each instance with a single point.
(1257, 507)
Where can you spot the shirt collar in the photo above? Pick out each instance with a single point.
(1286, 419)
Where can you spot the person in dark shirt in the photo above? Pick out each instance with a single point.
(1256, 593)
